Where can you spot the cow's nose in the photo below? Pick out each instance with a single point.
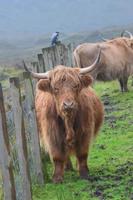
(68, 104)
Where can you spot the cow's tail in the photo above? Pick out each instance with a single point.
(76, 59)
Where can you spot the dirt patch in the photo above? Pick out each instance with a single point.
(109, 106)
(106, 180)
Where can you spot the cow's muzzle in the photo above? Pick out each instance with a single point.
(68, 105)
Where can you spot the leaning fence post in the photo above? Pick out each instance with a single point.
(48, 56)
(65, 55)
(35, 68)
(33, 127)
(45, 57)
(70, 54)
(20, 138)
(41, 63)
(58, 52)
(5, 159)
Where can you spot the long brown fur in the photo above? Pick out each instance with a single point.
(67, 132)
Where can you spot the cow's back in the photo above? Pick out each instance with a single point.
(85, 54)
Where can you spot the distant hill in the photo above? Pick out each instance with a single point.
(27, 18)
(12, 52)
(26, 25)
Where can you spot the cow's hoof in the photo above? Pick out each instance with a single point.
(85, 177)
(58, 179)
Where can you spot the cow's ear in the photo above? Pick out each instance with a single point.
(44, 84)
(86, 80)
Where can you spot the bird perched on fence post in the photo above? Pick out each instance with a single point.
(54, 38)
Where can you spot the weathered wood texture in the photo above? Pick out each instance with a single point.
(41, 63)
(5, 159)
(32, 123)
(56, 55)
(35, 68)
(20, 138)
(47, 60)
(70, 54)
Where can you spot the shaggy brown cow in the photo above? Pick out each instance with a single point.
(116, 59)
(69, 116)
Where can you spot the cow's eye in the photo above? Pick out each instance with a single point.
(75, 86)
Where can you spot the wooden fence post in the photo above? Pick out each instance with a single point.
(5, 159)
(35, 68)
(30, 110)
(70, 54)
(44, 53)
(41, 63)
(20, 138)
(65, 55)
(55, 56)
(46, 58)
(59, 56)
(51, 57)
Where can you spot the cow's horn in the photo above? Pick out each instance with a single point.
(37, 75)
(130, 34)
(91, 67)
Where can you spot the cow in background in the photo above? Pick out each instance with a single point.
(116, 59)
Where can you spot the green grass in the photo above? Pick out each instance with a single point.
(111, 156)
(6, 73)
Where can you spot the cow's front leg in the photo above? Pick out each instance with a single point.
(58, 170)
(121, 84)
(125, 84)
(82, 154)
(82, 165)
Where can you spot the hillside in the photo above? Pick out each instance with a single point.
(12, 52)
(27, 18)
(26, 26)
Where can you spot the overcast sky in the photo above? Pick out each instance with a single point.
(23, 18)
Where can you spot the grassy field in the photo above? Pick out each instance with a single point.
(6, 73)
(111, 157)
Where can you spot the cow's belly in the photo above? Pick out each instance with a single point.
(105, 77)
